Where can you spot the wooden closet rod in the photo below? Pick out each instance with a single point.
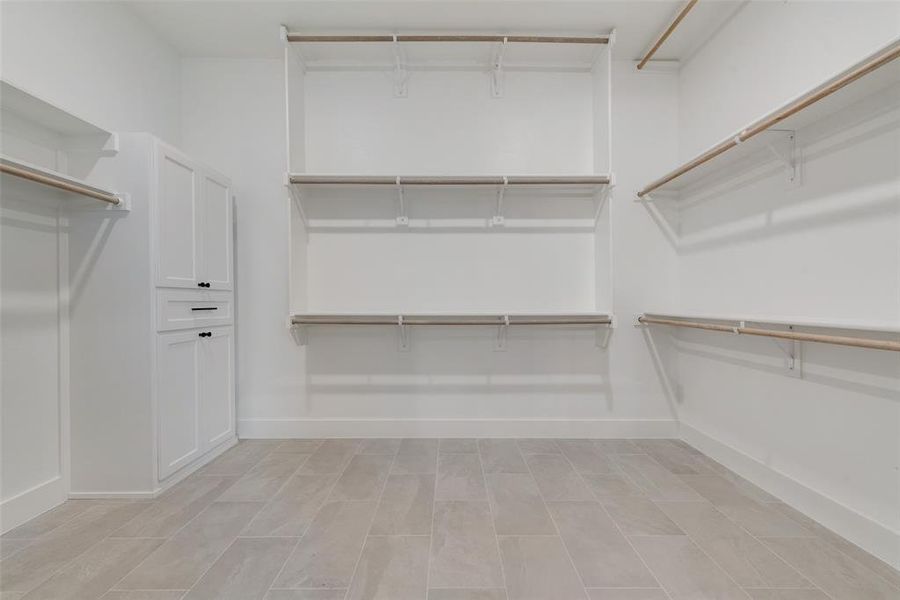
(58, 183)
(451, 180)
(773, 333)
(665, 34)
(457, 320)
(529, 39)
(882, 58)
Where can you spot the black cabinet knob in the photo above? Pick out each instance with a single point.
(205, 334)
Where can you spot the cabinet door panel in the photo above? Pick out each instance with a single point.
(178, 400)
(178, 221)
(217, 396)
(217, 237)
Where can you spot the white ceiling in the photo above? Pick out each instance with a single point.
(249, 29)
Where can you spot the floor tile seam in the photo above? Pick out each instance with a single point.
(491, 516)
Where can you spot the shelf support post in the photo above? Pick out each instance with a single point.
(401, 75)
(497, 69)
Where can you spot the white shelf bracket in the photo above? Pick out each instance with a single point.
(401, 74)
(404, 334)
(296, 198)
(500, 346)
(603, 333)
(300, 333)
(402, 218)
(602, 197)
(497, 70)
(792, 355)
(785, 152)
(497, 219)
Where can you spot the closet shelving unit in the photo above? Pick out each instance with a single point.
(364, 197)
(45, 145)
(774, 132)
(793, 330)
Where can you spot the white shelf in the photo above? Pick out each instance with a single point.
(58, 182)
(451, 319)
(27, 106)
(846, 324)
(738, 148)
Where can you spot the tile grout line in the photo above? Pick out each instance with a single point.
(278, 491)
(553, 521)
(365, 542)
(487, 493)
(188, 522)
(613, 465)
(318, 510)
(437, 466)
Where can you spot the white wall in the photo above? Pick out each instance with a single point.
(95, 59)
(828, 442)
(352, 382)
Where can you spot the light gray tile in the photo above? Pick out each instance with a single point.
(464, 547)
(323, 594)
(585, 456)
(762, 520)
(602, 555)
(46, 522)
(460, 478)
(10, 547)
(264, 480)
(832, 571)
(241, 458)
(180, 562)
(782, 594)
(460, 445)
(603, 485)
(627, 594)
(145, 595)
(363, 478)
(467, 594)
(654, 480)
(391, 568)
(639, 516)
(406, 506)
(245, 571)
(617, 447)
(538, 446)
(298, 446)
(741, 555)
(684, 570)
(716, 489)
(385, 446)
(95, 571)
(29, 567)
(537, 568)
(674, 457)
(556, 478)
(517, 505)
(293, 508)
(501, 456)
(326, 555)
(416, 456)
(330, 457)
(171, 512)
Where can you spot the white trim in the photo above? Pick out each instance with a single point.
(32, 502)
(572, 428)
(873, 537)
(163, 486)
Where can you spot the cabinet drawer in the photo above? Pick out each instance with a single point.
(183, 309)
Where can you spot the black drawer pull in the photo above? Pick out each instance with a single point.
(205, 334)
(205, 308)
(203, 284)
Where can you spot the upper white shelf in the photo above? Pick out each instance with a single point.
(869, 76)
(57, 181)
(27, 106)
(424, 51)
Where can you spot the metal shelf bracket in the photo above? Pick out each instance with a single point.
(402, 218)
(785, 152)
(497, 69)
(501, 335)
(404, 334)
(401, 74)
(497, 219)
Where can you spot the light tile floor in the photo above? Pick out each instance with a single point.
(444, 520)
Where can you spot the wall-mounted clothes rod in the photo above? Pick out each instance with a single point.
(461, 319)
(51, 180)
(861, 69)
(741, 329)
(450, 180)
(523, 39)
(665, 34)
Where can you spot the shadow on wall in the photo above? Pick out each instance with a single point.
(539, 373)
(847, 171)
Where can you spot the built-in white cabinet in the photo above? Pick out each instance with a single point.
(194, 220)
(152, 350)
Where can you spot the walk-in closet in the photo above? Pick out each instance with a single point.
(450, 300)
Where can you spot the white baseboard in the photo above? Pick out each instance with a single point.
(29, 504)
(563, 428)
(164, 485)
(873, 537)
